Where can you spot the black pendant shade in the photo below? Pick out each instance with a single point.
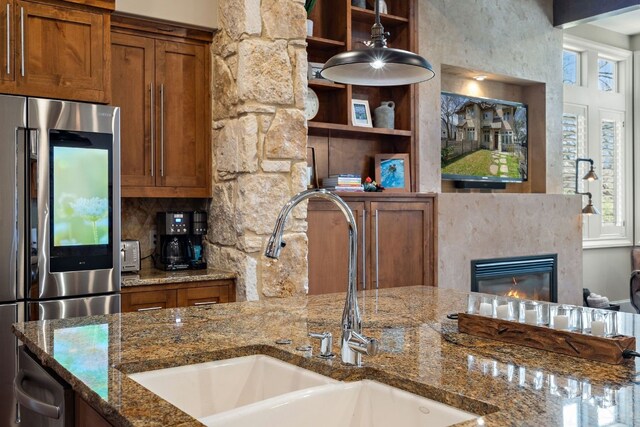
(377, 65)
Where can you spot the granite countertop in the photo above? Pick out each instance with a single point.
(153, 276)
(421, 351)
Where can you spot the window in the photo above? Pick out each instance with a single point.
(506, 138)
(573, 144)
(570, 67)
(606, 75)
(486, 115)
(471, 134)
(610, 177)
(593, 126)
(506, 116)
(486, 137)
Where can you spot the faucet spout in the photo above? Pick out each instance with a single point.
(353, 343)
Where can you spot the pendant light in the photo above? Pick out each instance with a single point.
(377, 65)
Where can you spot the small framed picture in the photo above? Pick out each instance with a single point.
(314, 71)
(360, 113)
(393, 172)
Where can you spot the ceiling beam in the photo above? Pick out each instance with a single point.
(568, 13)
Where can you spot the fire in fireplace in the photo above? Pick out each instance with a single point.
(529, 277)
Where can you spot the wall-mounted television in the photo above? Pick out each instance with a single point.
(483, 140)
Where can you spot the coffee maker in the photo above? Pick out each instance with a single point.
(173, 247)
(180, 240)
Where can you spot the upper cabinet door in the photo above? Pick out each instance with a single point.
(61, 52)
(7, 31)
(181, 81)
(132, 62)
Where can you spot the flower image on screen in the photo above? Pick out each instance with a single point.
(80, 196)
(392, 173)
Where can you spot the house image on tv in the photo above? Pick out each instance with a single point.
(486, 125)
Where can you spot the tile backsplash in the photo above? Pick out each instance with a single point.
(139, 218)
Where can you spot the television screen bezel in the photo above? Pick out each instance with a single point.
(478, 178)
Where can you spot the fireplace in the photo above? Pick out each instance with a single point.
(529, 277)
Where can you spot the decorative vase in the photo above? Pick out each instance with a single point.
(359, 3)
(383, 7)
(309, 27)
(385, 115)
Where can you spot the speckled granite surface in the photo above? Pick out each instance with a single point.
(422, 352)
(153, 276)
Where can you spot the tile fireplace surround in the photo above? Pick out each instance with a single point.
(475, 226)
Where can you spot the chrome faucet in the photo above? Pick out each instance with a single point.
(353, 344)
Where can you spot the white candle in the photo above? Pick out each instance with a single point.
(597, 328)
(485, 309)
(561, 322)
(531, 317)
(502, 312)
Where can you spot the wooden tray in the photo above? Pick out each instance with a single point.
(607, 350)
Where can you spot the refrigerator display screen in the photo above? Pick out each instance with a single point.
(80, 194)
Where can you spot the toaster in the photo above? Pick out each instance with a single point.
(130, 256)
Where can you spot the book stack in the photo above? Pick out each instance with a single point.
(343, 182)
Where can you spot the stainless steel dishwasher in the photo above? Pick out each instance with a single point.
(46, 400)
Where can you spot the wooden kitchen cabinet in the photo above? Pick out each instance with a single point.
(396, 242)
(328, 236)
(156, 297)
(160, 83)
(55, 49)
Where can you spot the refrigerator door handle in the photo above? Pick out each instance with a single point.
(33, 143)
(22, 196)
(30, 402)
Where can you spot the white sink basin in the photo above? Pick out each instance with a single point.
(359, 404)
(263, 391)
(209, 388)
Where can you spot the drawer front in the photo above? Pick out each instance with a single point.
(148, 300)
(203, 296)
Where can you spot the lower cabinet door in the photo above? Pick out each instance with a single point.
(203, 296)
(328, 237)
(149, 300)
(401, 244)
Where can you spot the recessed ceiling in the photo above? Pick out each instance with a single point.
(626, 23)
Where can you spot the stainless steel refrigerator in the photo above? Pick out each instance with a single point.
(59, 219)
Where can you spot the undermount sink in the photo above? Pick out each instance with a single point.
(358, 404)
(263, 391)
(209, 388)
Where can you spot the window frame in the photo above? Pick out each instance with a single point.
(597, 104)
(578, 66)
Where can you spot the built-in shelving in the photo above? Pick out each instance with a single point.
(338, 129)
(341, 147)
(368, 16)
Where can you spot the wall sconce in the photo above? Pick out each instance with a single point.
(590, 176)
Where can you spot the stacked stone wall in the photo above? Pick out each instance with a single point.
(259, 80)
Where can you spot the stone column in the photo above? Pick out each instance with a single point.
(259, 80)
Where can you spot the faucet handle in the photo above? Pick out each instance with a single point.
(326, 344)
(363, 345)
